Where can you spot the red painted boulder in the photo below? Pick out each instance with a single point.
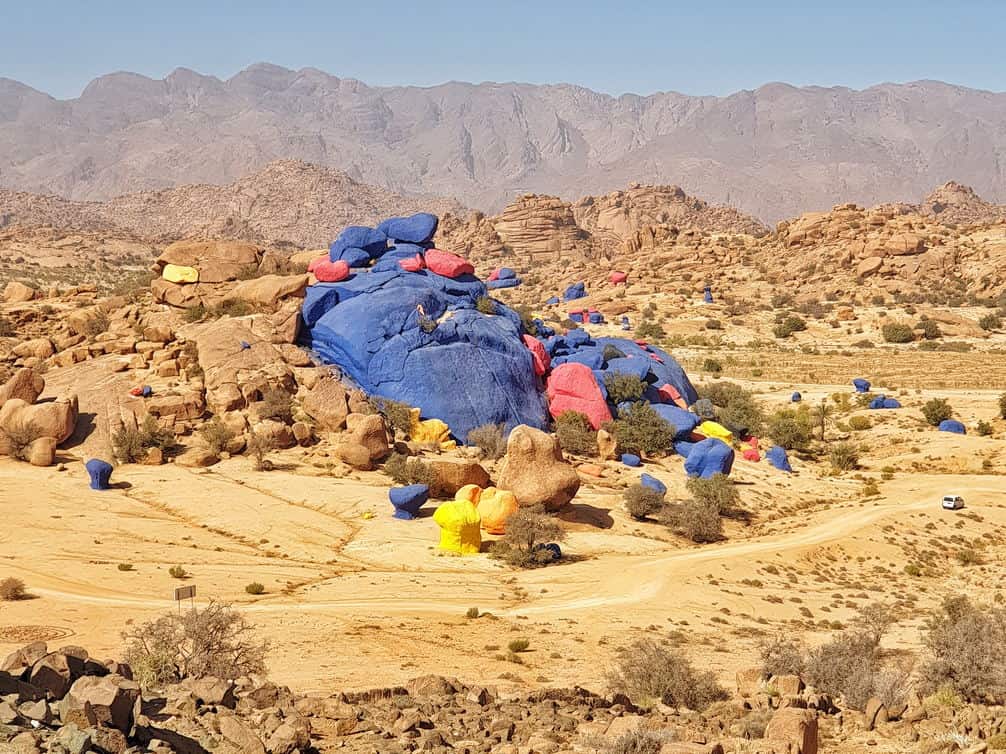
(331, 272)
(412, 264)
(539, 356)
(573, 387)
(447, 264)
(617, 278)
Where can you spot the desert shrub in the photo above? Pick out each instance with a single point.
(406, 470)
(258, 448)
(897, 332)
(427, 324)
(647, 672)
(97, 324)
(398, 415)
(859, 423)
(575, 434)
(698, 521)
(874, 619)
(230, 308)
(637, 742)
(255, 588)
(217, 435)
(930, 328)
(527, 318)
(991, 322)
(717, 491)
(642, 501)
(124, 567)
(489, 439)
(131, 445)
(7, 329)
(781, 656)
(623, 387)
(12, 590)
(642, 429)
(649, 330)
(790, 428)
(713, 324)
(966, 651)
(937, 410)
(211, 641)
(485, 305)
(610, 353)
(195, 313)
(844, 456)
(983, 428)
(276, 404)
(525, 531)
(19, 439)
(518, 645)
(788, 326)
(712, 366)
(737, 406)
(845, 666)
(177, 572)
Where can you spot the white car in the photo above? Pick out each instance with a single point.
(952, 502)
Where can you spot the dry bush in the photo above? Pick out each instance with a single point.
(637, 742)
(736, 406)
(791, 428)
(12, 590)
(896, 332)
(642, 430)
(966, 647)
(859, 423)
(718, 492)
(398, 415)
(211, 641)
(844, 456)
(217, 435)
(19, 439)
(97, 324)
(490, 439)
(276, 404)
(845, 666)
(698, 521)
(648, 672)
(131, 445)
(575, 434)
(406, 470)
(781, 656)
(526, 531)
(258, 447)
(642, 501)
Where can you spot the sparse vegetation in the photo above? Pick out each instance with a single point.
(276, 404)
(648, 672)
(788, 326)
(991, 322)
(790, 428)
(19, 438)
(201, 642)
(12, 590)
(895, 332)
(966, 648)
(485, 305)
(844, 456)
(489, 439)
(131, 444)
(623, 387)
(575, 434)
(642, 501)
(527, 531)
(642, 430)
(937, 410)
(177, 572)
(398, 415)
(781, 655)
(217, 435)
(407, 470)
(255, 588)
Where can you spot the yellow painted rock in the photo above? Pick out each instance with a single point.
(460, 527)
(176, 273)
(431, 431)
(715, 429)
(495, 507)
(469, 493)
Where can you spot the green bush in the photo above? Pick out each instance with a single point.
(525, 531)
(930, 329)
(642, 430)
(695, 520)
(984, 429)
(255, 588)
(217, 435)
(790, 428)
(844, 456)
(485, 305)
(642, 501)
(397, 414)
(737, 406)
(712, 366)
(895, 332)
(717, 491)
(649, 330)
(131, 445)
(276, 404)
(177, 572)
(623, 387)
(937, 410)
(788, 326)
(575, 434)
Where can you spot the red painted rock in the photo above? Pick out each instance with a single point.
(494, 275)
(573, 387)
(331, 272)
(752, 455)
(315, 262)
(447, 264)
(670, 394)
(617, 278)
(412, 264)
(539, 356)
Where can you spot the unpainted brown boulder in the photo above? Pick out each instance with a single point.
(535, 471)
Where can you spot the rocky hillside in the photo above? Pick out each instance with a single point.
(287, 201)
(774, 152)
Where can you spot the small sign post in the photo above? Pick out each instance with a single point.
(185, 593)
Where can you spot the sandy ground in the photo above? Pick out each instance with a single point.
(359, 601)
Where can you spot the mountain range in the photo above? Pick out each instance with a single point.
(773, 152)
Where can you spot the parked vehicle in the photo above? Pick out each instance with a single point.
(953, 502)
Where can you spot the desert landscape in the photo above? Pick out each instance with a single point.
(500, 417)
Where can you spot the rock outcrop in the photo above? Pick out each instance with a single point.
(535, 470)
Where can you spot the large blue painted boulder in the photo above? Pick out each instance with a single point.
(709, 458)
(575, 291)
(861, 384)
(417, 228)
(776, 455)
(682, 421)
(653, 483)
(952, 425)
(100, 473)
(369, 240)
(416, 337)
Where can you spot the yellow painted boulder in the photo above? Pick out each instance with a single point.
(176, 273)
(431, 431)
(715, 429)
(469, 493)
(495, 507)
(460, 527)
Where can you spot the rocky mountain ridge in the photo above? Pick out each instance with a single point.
(774, 152)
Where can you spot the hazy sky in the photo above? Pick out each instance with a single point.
(695, 47)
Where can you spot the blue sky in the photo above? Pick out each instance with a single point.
(693, 47)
